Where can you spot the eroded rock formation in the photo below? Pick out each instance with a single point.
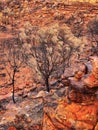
(82, 112)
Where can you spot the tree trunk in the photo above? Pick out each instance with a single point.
(13, 97)
(13, 85)
(47, 84)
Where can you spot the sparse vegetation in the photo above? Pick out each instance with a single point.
(48, 46)
(93, 30)
(14, 61)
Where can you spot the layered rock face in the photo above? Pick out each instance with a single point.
(82, 112)
(71, 116)
(92, 80)
(84, 85)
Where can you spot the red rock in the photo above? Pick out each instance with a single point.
(48, 125)
(91, 81)
(78, 75)
(95, 66)
(96, 127)
(12, 128)
(71, 116)
(83, 126)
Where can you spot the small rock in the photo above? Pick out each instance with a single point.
(42, 94)
(25, 96)
(12, 128)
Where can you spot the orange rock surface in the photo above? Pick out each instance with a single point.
(69, 116)
(12, 128)
(92, 80)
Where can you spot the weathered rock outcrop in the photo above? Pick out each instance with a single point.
(82, 112)
(92, 80)
(71, 116)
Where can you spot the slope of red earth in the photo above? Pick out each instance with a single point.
(29, 111)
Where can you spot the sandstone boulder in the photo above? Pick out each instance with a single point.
(92, 80)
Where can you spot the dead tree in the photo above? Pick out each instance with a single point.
(15, 60)
(49, 51)
(48, 60)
